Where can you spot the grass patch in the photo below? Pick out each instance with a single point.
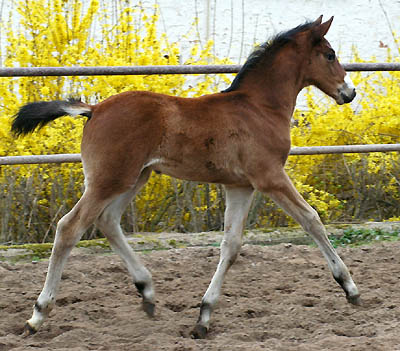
(355, 237)
(37, 252)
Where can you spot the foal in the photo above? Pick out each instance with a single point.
(239, 137)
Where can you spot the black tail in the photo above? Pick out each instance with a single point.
(38, 114)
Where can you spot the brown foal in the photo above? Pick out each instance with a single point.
(239, 137)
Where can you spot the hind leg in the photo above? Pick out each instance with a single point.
(69, 230)
(109, 224)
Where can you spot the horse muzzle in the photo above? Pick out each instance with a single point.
(346, 92)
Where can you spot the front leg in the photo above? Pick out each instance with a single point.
(238, 202)
(284, 194)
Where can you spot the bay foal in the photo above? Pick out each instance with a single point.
(239, 137)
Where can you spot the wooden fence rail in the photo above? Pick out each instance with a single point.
(311, 150)
(149, 70)
(179, 69)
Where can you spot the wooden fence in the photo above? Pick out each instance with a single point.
(181, 69)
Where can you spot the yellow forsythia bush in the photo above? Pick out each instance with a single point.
(67, 33)
(61, 33)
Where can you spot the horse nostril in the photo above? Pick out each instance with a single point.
(348, 98)
(353, 94)
(347, 94)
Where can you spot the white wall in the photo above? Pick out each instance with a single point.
(236, 25)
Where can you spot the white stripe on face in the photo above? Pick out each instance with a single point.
(346, 91)
(349, 82)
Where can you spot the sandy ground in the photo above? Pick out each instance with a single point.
(274, 298)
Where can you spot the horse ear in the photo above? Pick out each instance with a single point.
(320, 30)
(318, 21)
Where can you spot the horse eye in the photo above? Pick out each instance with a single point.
(330, 56)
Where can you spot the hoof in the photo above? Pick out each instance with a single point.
(28, 330)
(199, 332)
(149, 308)
(354, 300)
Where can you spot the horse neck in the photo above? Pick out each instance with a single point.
(276, 85)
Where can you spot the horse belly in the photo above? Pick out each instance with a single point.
(206, 171)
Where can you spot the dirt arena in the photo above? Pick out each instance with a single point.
(274, 298)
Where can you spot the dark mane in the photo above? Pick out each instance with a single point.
(266, 52)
